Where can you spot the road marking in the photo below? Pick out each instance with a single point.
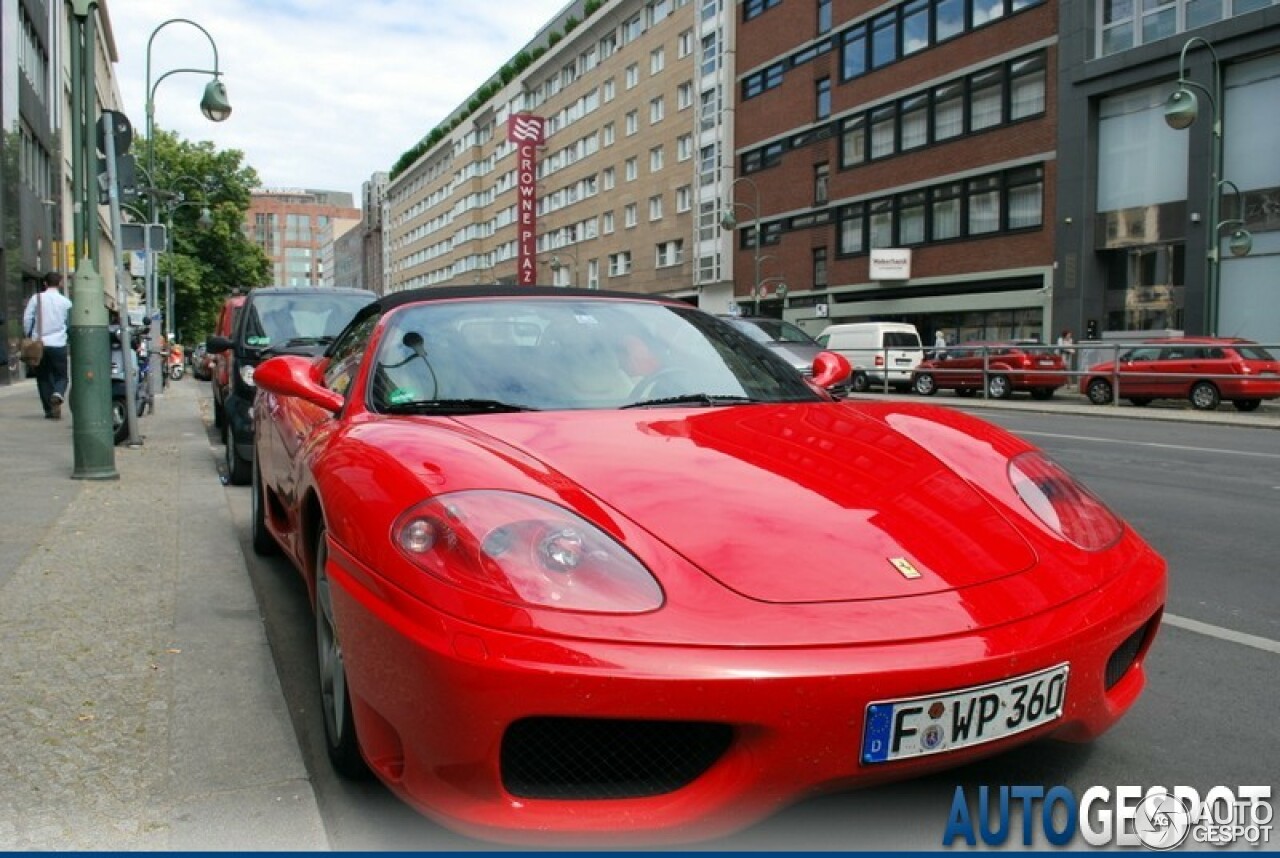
(1181, 447)
(1264, 644)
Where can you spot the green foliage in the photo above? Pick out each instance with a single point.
(207, 263)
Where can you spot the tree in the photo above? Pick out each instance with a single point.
(206, 263)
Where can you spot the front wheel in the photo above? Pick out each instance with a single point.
(1204, 396)
(925, 384)
(335, 699)
(1247, 404)
(1099, 391)
(176, 372)
(120, 419)
(998, 387)
(238, 468)
(860, 382)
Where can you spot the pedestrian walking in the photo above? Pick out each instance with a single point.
(1066, 349)
(46, 315)
(939, 346)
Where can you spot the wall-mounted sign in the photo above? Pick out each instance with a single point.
(527, 133)
(891, 263)
(820, 310)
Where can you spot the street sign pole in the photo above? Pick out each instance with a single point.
(127, 357)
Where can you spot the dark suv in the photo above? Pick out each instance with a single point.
(274, 320)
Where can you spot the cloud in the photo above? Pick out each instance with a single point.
(323, 93)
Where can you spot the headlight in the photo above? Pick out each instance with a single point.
(1063, 504)
(246, 374)
(525, 551)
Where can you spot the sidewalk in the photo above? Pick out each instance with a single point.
(139, 704)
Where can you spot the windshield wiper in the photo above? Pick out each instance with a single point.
(692, 399)
(454, 406)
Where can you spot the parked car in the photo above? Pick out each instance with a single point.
(877, 350)
(594, 563)
(201, 362)
(788, 340)
(1006, 367)
(271, 320)
(220, 361)
(1205, 370)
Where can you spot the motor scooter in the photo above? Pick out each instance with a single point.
(119, 396)
(177, 363)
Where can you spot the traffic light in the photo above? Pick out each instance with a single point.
(126, 179)
(117, 125)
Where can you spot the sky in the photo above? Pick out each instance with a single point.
(324, 93)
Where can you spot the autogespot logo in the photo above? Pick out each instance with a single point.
(1156, 817)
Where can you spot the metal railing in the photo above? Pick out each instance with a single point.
(1080, 360)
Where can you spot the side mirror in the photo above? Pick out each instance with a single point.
(296, 375)
(830, 368)
(216, 345)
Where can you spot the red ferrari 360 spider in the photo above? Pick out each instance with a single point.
(590, 564)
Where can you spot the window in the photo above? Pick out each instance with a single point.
(914, 121)
(631, 170)
(610, 89)
(945, 211)
(821, 175)
(657, 110)
(948, 111)
(911, 218)
(853, 229)
(984, 205)
(881, 223)
(633, 76)
(882, 122)
(819, 267)
(986, 11)
(655, 207)
(657, 60)
(1027, 85)
(684, 147)
(606, 223)
(655, 159)
(610, 178)
(915, 26)
(684, 44)
(684, 198)
(823, 98)
(853, 141)
(824, 16)
(608, 134)
(684, 96)
(853, 54)
(948, 16)
(669, 253)
(884, 40)
(1026, 198)
(629, 215)
(619, 263)
(986, 99)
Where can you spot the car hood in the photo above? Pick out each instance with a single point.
(792, 503)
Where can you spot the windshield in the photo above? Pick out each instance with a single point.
(277, 319)
(545, 354)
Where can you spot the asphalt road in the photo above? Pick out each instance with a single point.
(1205, 496)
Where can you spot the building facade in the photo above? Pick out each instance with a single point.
(373, 250)
(290, 226)
(618, 85)
(1138, 247)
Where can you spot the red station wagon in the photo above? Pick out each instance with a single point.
(1205, 370)
(1009, 367)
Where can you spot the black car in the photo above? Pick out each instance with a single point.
(275, 320)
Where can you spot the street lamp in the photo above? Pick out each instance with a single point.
(729, 223)
(1180, 111)
(557, 266)
(216, 107)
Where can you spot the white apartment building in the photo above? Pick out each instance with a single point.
(632, 93)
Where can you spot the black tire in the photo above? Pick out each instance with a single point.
(219, 415)
(120, 419)
(1247, 404)
(335, 700)
(1140, 401)
(239, 469)
(264, 544)
(860, 382)
(1099, 392)
(998, 387)
(1042, 393)
(925, 385)
(1204, 396)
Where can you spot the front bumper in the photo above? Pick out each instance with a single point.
(437, 702)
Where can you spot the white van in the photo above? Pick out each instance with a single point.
(877, 350)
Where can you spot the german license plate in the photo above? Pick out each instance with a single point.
(933, 724)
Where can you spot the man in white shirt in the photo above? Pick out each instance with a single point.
(55, 312)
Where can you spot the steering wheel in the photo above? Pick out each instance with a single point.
(652, 386)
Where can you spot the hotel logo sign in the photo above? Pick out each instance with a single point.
(527, 132)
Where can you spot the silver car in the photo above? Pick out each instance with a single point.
(789, 341)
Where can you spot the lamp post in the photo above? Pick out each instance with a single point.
(729, 223)
(216, 107)
(92, 438)
(1180, 111)
(556, 265)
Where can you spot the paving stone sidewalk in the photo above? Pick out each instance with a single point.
(139, 705)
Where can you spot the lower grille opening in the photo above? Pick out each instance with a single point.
(593, 758)
(1126, 654)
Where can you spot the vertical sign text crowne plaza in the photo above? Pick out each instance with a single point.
(526, 131)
